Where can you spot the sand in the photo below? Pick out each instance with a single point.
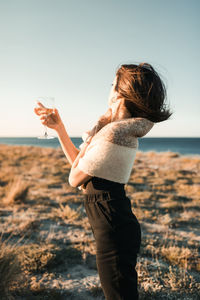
(47, 247)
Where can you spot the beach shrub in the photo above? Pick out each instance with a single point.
(16, 190)
(10, 269)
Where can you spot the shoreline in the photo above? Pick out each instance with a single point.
(182, 146)
(167, 152)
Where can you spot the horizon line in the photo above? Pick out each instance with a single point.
(81, 137)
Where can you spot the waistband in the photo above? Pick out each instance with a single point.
(105, 195)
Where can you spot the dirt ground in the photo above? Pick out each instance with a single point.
(47, 248)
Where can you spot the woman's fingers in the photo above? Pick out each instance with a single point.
(43, 117)
(48, 116)
(39, 110)
(56, 112)
(36, 110)
(40, 104)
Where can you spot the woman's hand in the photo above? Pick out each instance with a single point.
(48, 116)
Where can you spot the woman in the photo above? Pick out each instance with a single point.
(103, 166)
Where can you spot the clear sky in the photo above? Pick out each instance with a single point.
(71, 50)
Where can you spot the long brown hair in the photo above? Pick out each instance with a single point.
(143, 92)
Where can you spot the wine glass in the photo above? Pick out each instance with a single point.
(47, 102)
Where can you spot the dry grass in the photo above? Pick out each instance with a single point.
(185, 257)
(67, 214)
(16, 190)
(57, 260)
(34, 257)
(10, 269)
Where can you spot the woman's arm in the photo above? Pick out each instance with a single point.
(53, 121)
(76, 176)
(68, 147)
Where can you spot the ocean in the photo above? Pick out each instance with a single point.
(184, 146)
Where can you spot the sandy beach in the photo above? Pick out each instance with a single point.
(47, 248)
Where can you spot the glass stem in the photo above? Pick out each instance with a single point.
(45, 131)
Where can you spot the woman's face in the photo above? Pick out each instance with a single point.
(114, 102)
(113, 94)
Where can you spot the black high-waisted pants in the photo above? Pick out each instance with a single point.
(117, 234)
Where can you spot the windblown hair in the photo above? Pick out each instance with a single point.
(143, 92)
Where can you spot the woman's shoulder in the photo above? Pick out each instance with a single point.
(125, 132)
(114, 134)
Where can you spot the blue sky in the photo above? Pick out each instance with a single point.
(71, 50)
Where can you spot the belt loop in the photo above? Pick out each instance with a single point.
(109, 196)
